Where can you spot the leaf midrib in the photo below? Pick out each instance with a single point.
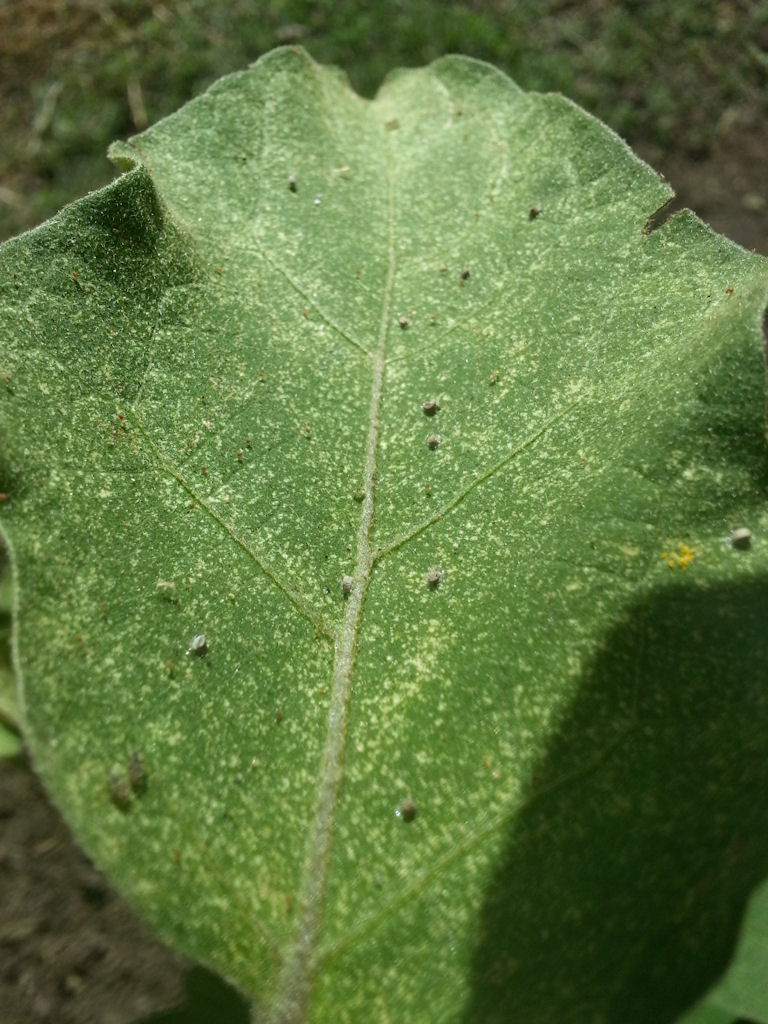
(297, 977)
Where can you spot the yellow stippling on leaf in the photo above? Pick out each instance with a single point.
(681, 558)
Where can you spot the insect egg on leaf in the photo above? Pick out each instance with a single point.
(198, 645)
(741, 537)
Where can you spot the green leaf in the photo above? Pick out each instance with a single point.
(742, 992)
(512, 768)
(10, 741)
(705, 1013)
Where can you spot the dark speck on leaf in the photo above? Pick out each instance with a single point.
(433, 441)
(407, 810)
(137, 773)
(292, 182)
(404, 322)
(431, 407)
(464, 275)
(534, 212)
(119, 792)
(434, 578)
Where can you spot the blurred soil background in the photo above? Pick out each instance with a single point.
(685, 82)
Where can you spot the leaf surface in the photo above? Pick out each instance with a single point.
(743, 992)
(478, 727)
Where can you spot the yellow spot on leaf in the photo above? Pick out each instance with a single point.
(679, 559)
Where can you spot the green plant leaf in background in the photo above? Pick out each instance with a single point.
(398, 406)
(743, 992)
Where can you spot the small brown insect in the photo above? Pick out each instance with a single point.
(347, 583)
(137, 773)
(493, 377)
(119, 792)
(434, 578)
(741, 538)
(534, 212)
(464, 275)
(359, 493)
(278, 715)
(408, 810)
(248, 443)
(431, 407)
(292, 182)
(404, 322)
(433, 441)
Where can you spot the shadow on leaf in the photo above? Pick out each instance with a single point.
(620, 894)
(209, 1000)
